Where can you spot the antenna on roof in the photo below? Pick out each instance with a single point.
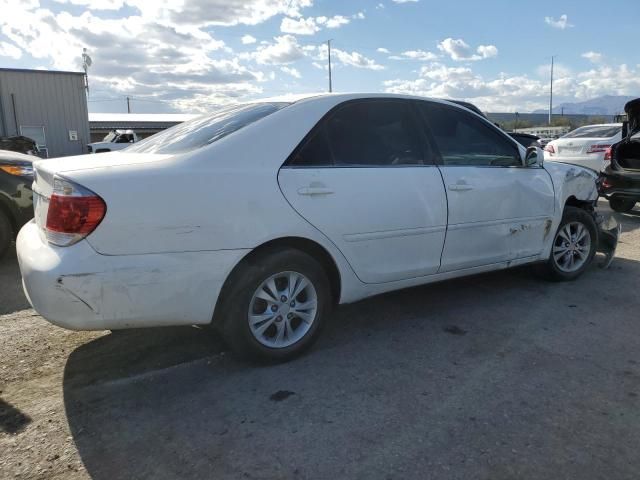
(86, 63)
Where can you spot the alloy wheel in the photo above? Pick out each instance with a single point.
(571, 247)
(282, 309)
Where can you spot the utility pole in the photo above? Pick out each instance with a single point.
(128, 105)
(329, 51)
(551, 92)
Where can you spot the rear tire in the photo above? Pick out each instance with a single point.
(6, 234)
(259, 323)
(622, 205)
(574, 246)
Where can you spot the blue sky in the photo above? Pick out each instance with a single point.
(191, 55)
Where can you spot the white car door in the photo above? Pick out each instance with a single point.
(499, 210)
(360, 177)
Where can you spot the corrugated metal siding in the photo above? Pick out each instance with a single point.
(54, 100)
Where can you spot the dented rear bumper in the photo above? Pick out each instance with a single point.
(608, 234)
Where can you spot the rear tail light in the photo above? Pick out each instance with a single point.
(74, 212)
(607, 155)
(598, 147)
(549, 148)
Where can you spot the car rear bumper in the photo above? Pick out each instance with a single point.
(595, 162)
(77, 288)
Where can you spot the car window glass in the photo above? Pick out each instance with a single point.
(315, 152)
(464, 139)
(600, 131)
(204, 130)
(374, 133)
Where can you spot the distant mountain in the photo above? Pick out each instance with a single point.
(606, 105)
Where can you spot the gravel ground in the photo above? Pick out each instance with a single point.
(498, 376)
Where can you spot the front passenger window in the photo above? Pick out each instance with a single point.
(465, 140)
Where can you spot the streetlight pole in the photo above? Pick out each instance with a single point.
(551, 92)
(329, 52)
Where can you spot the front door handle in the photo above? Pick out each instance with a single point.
(315, 191)
(460, 187)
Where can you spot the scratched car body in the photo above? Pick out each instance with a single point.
(260, 218)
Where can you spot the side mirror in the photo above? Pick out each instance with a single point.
(534, 157)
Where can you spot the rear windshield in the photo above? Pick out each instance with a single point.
(204, 130)
(599, 131)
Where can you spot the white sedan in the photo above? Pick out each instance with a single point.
(585, 146)
(259, 218)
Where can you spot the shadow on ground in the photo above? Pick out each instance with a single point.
(495, 376)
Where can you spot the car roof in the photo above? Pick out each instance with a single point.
(341, 97)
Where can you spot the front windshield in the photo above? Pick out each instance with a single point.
(205, 130)
(595, 131)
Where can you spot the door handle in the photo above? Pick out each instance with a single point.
(315, 191)
(460, 187)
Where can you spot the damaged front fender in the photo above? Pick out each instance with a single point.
(608, 234)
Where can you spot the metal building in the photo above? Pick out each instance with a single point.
(49, 107)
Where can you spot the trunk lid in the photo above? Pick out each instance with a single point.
(626, 154)
(46, 170)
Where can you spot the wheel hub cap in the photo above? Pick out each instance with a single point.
(571, 247)
(282, 309)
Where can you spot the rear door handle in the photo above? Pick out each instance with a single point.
(460, 187)
(315, 191)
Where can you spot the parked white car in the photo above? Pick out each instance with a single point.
(585, 146)
(114, 140)
(259, 218)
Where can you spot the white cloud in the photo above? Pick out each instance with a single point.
(96, 4)
(419, 55)
(284, 50)
(593, 57)
(9, 50)
(382, 50)
(561, 23)
(302, 26)
(404, 1)
(487, 51)
(337, 21)
(460, 50)
(312, 25)
(291, 71)
(248, 40)
(508, 93)
(356, 59)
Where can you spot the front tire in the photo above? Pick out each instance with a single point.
(276, 306)
(622, 205)
(574, 246)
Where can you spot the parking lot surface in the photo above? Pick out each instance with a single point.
(498, 376)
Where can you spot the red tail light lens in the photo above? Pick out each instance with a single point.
(607, 154)
(598, 147)
(74, 212)
(549, 148)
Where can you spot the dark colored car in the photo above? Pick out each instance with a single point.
(19, 144)
(526, 139)
(16, 197)
(620, 181)
(468, 106)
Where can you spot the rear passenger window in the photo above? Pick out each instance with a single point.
(465, 140)
(370, 133)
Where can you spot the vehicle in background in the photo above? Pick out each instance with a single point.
(585, 146)
(19, 144)
(620, 181)
(16, 197)
(526, 139)
(259, 218)
(114, 140)
(469, 106)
